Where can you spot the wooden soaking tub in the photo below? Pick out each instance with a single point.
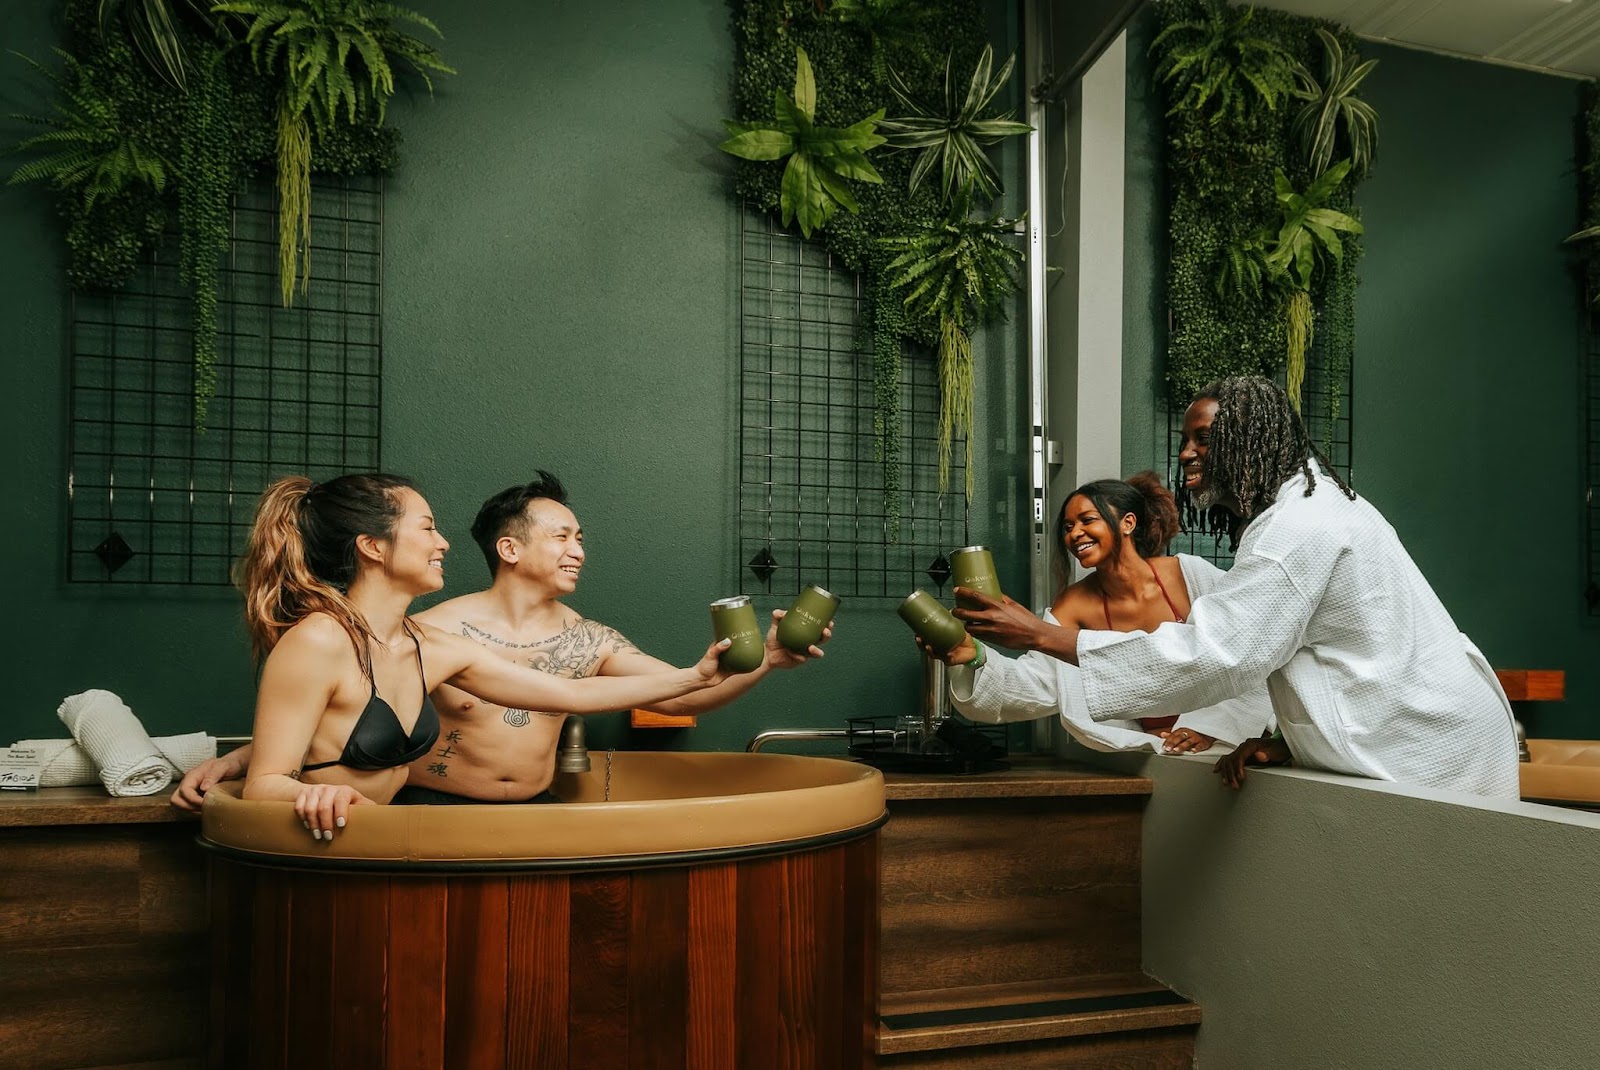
(720, 911)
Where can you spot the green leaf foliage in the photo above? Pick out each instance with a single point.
(149, 154)
(153, 27)
(1218, 63)
(961, 274)
(822, 159)
(92, 149)
(850, 62)
(953, 135)
(1333, 116)
(1229, 306)
(334, 61)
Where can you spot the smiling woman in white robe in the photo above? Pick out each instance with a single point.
(1119, 530)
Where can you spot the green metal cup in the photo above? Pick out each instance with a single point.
(973, 566)
(735, 618)
(802, 626)
(932, 621)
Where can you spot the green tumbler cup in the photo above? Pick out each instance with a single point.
(973, 566)
(932, 621)
(802, 626)
(735, 618)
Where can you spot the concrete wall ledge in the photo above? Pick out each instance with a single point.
(1324, 921)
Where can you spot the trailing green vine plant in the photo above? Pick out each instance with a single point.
(130, 145)
(332, 56)
(821, 159)
(853, 45)
(959, 274)
(1235, 153)
(1290, 258)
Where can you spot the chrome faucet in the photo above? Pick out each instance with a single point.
(572, 756)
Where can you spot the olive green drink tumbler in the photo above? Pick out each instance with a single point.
(973, 566)
(735, 618)
(802, 626)
(932, 621)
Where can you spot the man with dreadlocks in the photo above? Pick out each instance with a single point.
(1368, 674)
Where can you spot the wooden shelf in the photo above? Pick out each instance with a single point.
(1533, 685)
(86, 805)
(1030, 1011)
(652, 719)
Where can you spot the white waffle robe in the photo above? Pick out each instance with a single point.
(1037, 685)
(1367, 672)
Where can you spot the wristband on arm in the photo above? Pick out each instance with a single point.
(979, 658)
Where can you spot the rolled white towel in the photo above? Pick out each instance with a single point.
(63, 763)
(129, 760)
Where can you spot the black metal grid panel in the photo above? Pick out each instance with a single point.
(811, 496)
(1591, 487)
(1334, 437)
(298, 391)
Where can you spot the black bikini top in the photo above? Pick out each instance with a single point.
(379, 741)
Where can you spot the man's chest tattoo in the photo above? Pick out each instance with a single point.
(574, 653)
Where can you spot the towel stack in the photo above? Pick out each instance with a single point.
(112, 747)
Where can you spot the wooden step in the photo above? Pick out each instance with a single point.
(1030, 1011)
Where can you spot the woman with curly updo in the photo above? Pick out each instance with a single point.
(1119, 531)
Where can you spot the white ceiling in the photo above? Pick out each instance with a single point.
(1560, 36)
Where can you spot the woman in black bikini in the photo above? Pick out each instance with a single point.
(343, 706)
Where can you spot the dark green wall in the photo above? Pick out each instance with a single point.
(561, 292)
(1467, 408)
(1468, 413)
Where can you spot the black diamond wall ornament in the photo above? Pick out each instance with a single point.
(114, 552)
(764, 565)
(939, 571)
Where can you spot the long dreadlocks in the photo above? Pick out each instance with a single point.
(1258, 443)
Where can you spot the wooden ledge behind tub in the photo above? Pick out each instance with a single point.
(104, 931)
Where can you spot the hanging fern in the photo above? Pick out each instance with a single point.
(334, 59)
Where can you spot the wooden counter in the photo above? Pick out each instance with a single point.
(1010, 924)
(104, 930)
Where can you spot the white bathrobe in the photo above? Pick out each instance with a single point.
(1368, 674)
(1037, 685)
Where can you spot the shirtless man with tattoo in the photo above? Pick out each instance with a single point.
(533, 546)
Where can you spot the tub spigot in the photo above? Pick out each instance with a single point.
(572, 756)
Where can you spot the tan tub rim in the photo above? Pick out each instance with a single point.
(811, 802)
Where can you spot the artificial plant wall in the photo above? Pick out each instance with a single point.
(163, 107)
(866, 123)
(1268, 139)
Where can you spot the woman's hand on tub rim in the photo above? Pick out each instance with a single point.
(324, 807)
(202, 778)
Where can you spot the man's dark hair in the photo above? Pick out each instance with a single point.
(1258, 443)
(507, 514)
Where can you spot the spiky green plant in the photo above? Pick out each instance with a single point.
(1332, 105)
(822, 159)
(953, 137)
(333, 56)
(1215, 63)
(1288, 260)
(152, 26)
(92, 150)
(959, 275)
